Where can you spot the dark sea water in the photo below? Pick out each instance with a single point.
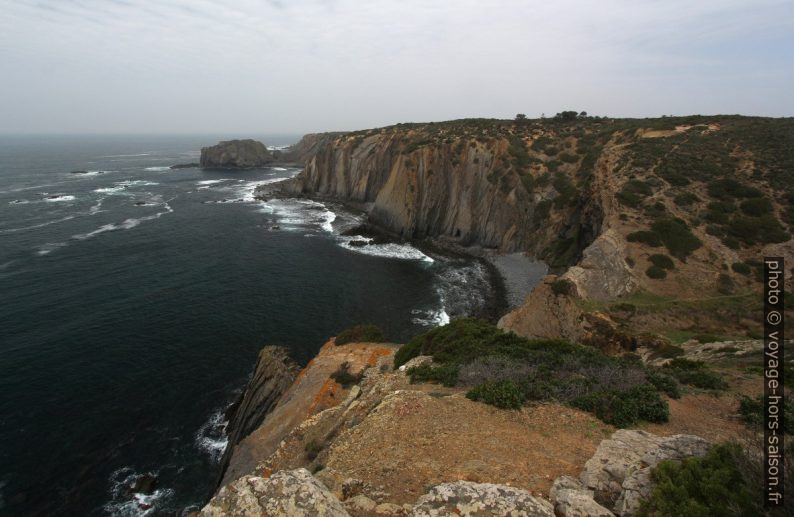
(134, 299)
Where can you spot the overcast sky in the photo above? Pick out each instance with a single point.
(211, 66)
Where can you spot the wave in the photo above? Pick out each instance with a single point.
(127, 224)
(158, 169)
(126, 155)
(125, 502)
(41, 225)
(120, 186)
(387, 250)
(56, 198)
(279, 168)
(430, 318)
(211, 437)
(89, 173)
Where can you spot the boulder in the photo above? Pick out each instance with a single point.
(638, 486)
(235, 154)
(293, 493)
(467, 498)
(571, 499)
(615, 457)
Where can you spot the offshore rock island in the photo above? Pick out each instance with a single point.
(636, 359)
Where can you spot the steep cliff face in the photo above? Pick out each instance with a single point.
(679, 207)
(457, 187)
(274, 372)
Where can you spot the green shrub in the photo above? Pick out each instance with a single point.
(312, 449)
(343, 376)
(656, 273)
(446, 374)
(563, 286)
(675, 235)
(728, 188)
(360, 334)
(752, 412)
(741, 268)
(751, 230)
(725, 284)
(625, 408)
(648, 238)
(502, 394)
(686, 199)
(665, 383)
(662, 261)
(712, 486)
(669, 351)
(756, 207)
(407, 352)
(629, 199)
(540, 369)
(694, 373)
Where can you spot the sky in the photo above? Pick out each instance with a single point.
(281, 66)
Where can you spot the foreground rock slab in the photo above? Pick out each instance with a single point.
(480, 499)
(294, 493)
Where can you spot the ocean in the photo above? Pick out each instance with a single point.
(135, 298)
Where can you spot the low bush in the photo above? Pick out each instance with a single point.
(502, 394)
(648, 238)
(665, 383)
(446, 374)
(686, 199)
(756, 207)
(343, 376)
(675, 235)
(656, 273)
(563, 286)
(752, 412)
(725, 284)
(360, 334)
(624, 408)
(661, 260)
(741, 268)
(710, 486)
(694, 373)
(505, 370)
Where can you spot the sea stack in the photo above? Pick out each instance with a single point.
(236, 154)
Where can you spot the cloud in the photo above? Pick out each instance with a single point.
(283, 66)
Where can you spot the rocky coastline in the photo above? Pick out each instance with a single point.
(581, 199)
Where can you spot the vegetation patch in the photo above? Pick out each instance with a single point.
(752, 411)
(506, 370)
(714, 485)
(694, 373)
(662, 261)
(649, 238)
(563, 286)
(343, 376)
(656, 273)
(360, 334)
(675, 235)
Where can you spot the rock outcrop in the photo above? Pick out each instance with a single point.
(618, 476)
(446, 190)
(293, 493)
(274, 372)
(467, 498)
(235, 154)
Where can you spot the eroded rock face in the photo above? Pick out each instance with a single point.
(614, 459)
(235, 154)
(618, 475)
(467, 498)
(293, 493)
(572, 499)
(603, 274)
(274, 372)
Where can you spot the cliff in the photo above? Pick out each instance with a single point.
(273, 374)
(235, 154)
(677, 208)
